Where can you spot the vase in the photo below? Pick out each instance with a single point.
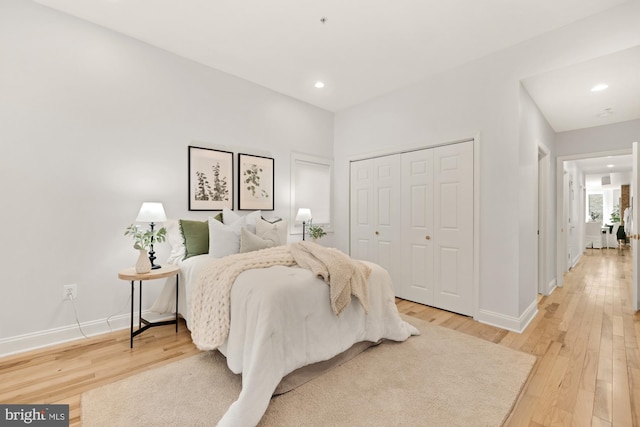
(144, 264)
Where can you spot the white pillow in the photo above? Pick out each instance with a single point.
(250, 242)
(224, 239)
(280, 227)
(176, 241)
(229, 217)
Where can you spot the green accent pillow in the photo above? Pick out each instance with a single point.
(196, 237)
(219, 217)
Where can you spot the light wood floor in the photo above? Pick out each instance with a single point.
(586, 339)
(585, 336)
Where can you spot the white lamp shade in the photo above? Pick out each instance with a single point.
(304, 214)
(151, 212)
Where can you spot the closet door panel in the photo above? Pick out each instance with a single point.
(387, 215)
(417, 224)
(362, 213)
(375, 212)
(449, 264)
(453, 227)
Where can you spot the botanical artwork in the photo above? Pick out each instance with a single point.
(255, 182)
(210, 179)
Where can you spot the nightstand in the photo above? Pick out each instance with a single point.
(160, 273)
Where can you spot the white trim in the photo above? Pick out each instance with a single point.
(476, 225)
(551, 286)
(510, 323)
(561, 240)
(49, 337)
(296, 229)
(544, 166)
(402, 149)
(575, 260)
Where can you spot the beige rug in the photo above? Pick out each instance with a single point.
(441, 378)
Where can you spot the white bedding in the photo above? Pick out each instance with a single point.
(281, 320)
(189, 271)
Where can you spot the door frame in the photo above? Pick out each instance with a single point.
(635, 219)
(561, 235)
(544, 167)
(476, 198)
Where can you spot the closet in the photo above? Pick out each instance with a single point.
(412, 213)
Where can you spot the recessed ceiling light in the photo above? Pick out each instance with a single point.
(599, 87)
(610, 166)
(319, 85)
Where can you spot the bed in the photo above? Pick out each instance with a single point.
(281, 320)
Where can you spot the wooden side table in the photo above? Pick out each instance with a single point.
(160, 273)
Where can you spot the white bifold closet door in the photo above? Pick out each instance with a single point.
(437, 233)
(428, 233)
(375, 212)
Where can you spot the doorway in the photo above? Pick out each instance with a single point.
(571, 234)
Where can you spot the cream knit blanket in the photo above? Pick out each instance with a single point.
(211, 300)
(344, 275)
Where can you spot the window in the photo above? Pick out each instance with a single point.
(311, 184)
(594, 208)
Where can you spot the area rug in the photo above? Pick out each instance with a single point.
(440, 378)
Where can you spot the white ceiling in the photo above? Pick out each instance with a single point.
(595, 168)
(566, 99)
(365, 48)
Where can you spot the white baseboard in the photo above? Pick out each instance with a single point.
(49, 337)
(549, 288)
(510, 323)
(575, 260)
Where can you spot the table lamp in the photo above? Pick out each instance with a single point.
(151, 212)
(304, 215)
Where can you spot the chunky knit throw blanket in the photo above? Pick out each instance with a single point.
(344, 275)
(210, 307)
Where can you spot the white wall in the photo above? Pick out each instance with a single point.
(94, 123)
(482, 98)
(616, 136)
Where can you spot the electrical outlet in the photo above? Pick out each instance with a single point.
(70, 291)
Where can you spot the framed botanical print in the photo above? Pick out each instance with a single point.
(255, 182)
(210, 179)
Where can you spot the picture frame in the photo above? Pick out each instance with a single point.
(255, 182)
(210, 179)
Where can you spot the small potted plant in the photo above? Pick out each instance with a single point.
(316, 232)
(143, 241)
(615, 215)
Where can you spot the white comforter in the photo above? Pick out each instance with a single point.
(281, 320)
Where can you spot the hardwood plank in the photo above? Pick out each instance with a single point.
(602, 406)
(634, 397)
(583, 409)
(621, 396)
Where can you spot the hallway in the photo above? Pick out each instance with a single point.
(586, 339)
(586, 335)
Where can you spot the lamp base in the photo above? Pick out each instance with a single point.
(155, 267)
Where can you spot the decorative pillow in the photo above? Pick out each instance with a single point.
(229, 217)
(280, 227)
(218, 217)
(250, 242)
(225, 239)
(196, 237)
(176, 241)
